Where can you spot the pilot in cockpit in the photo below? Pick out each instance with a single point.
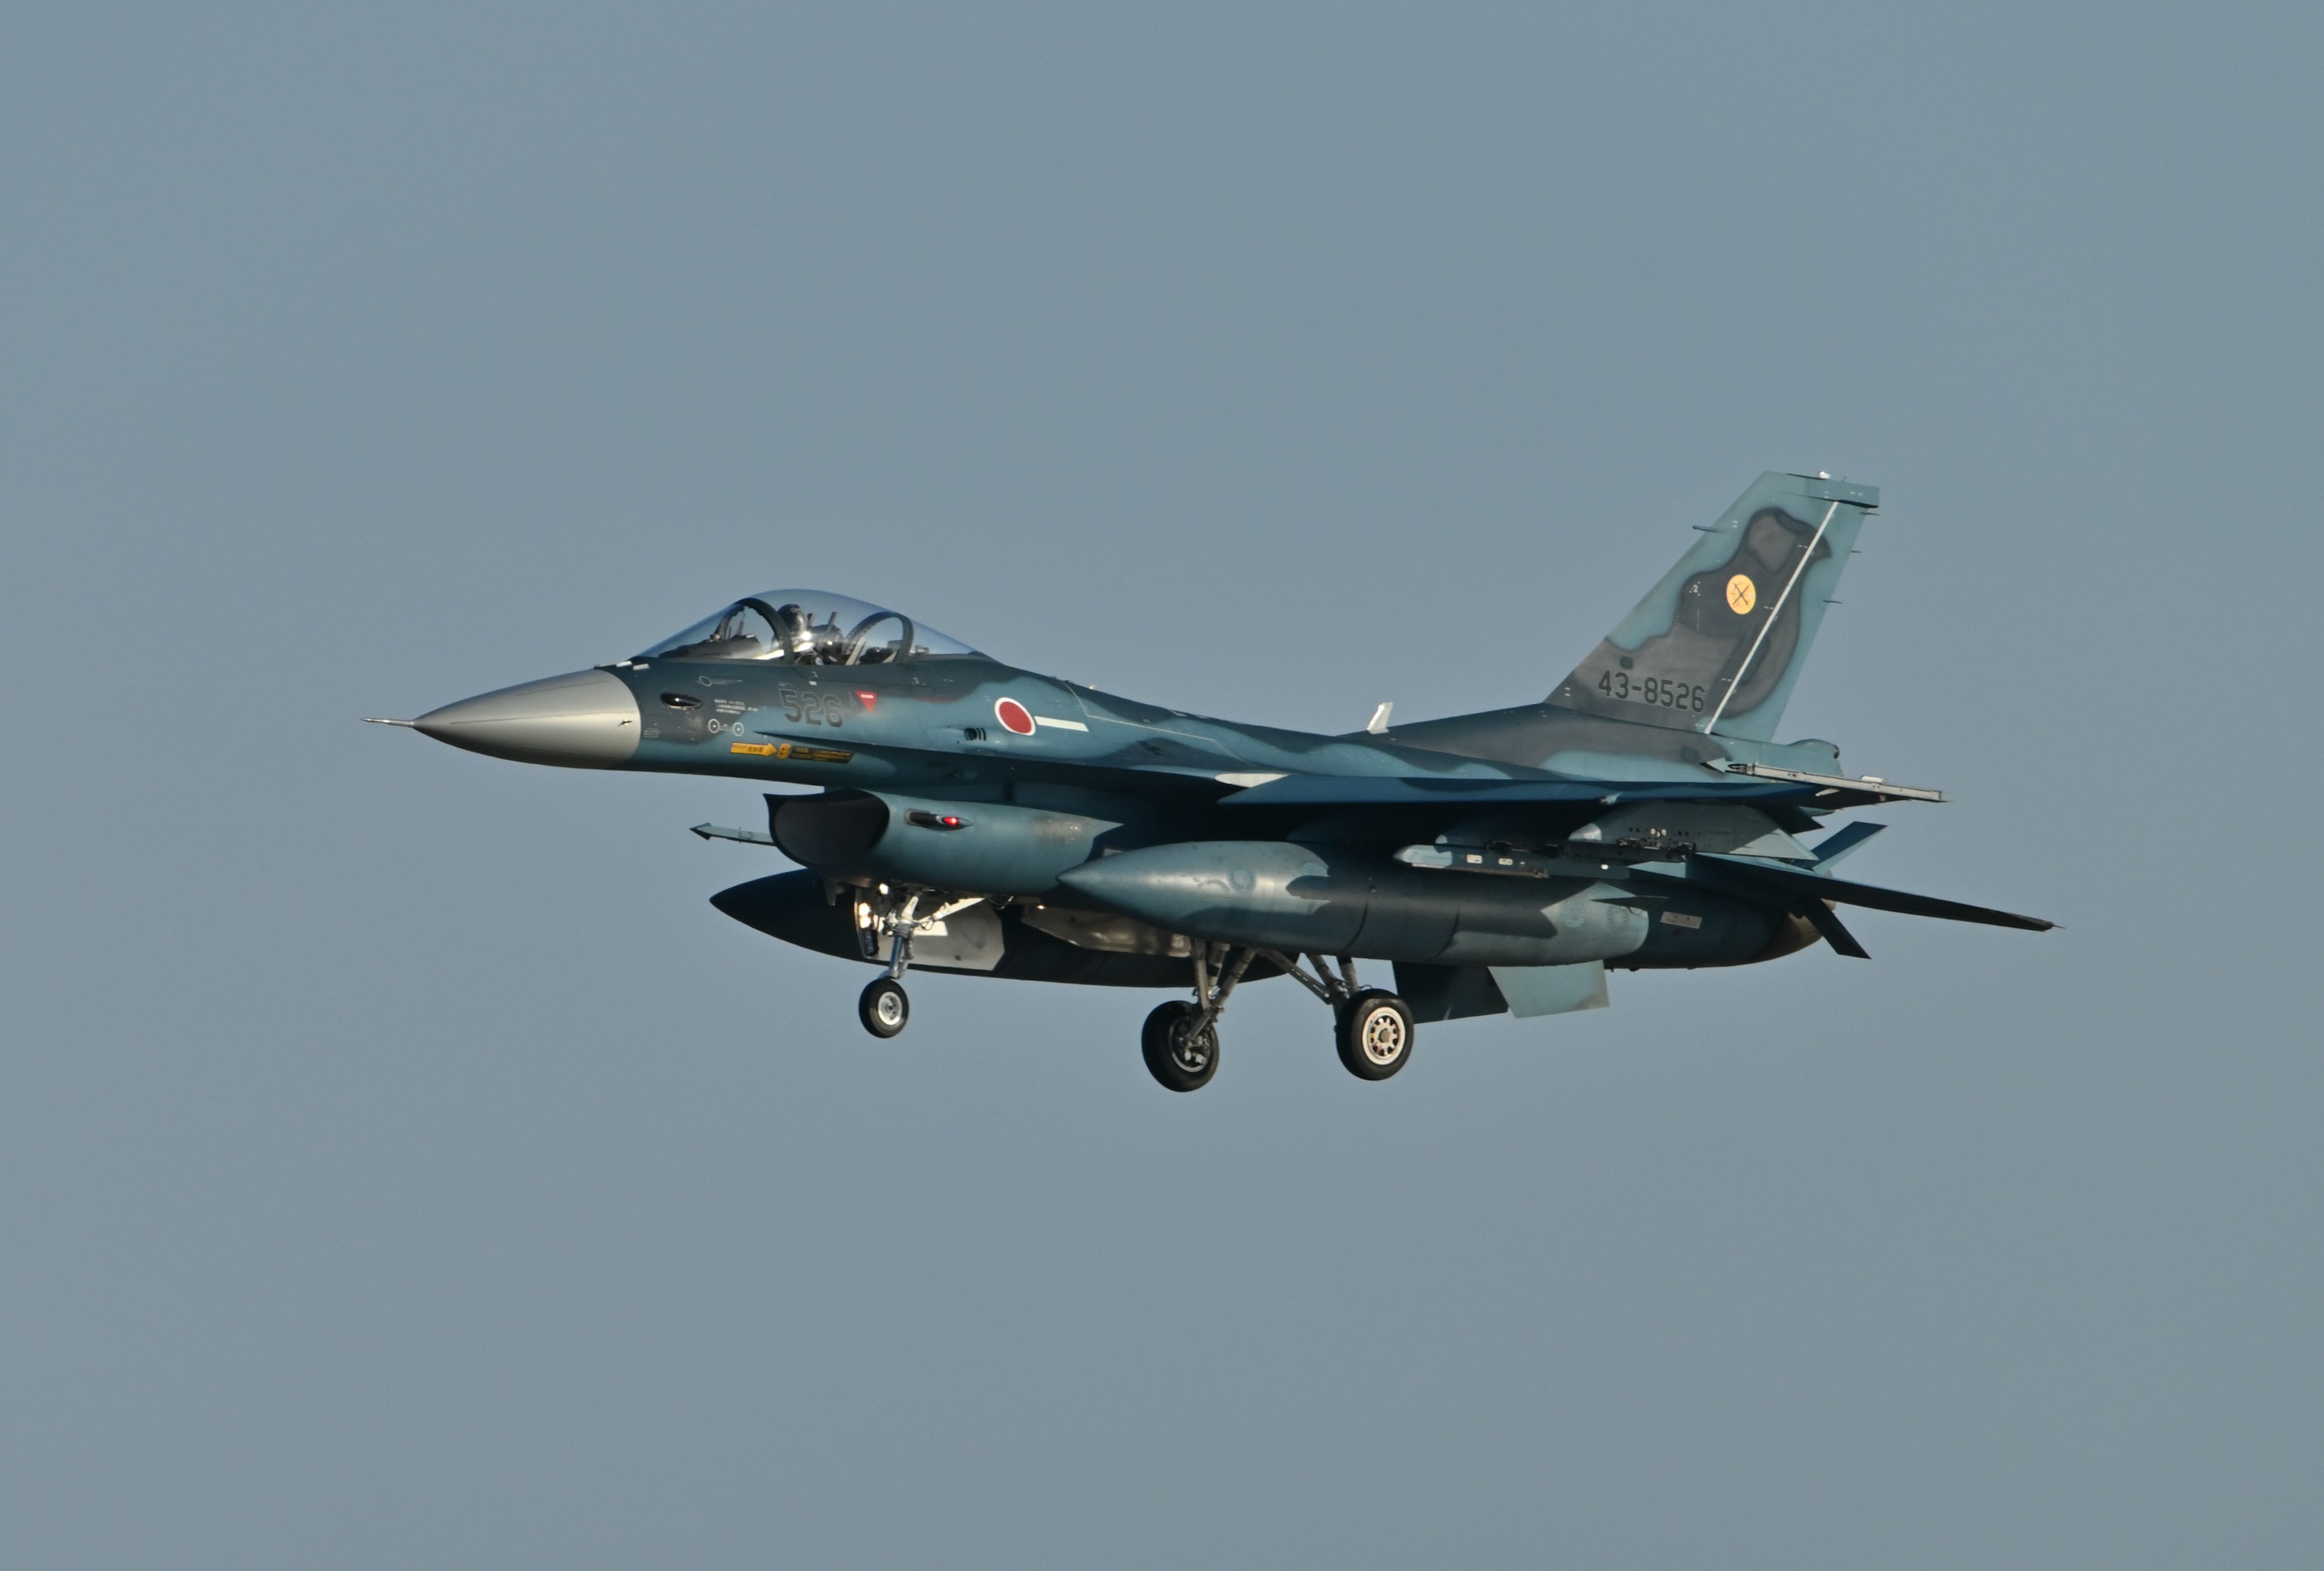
(806, 642)
(732, 636)
(810, 629)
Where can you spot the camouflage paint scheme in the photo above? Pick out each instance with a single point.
(1501, 860)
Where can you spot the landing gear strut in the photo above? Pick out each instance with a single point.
(1374, 1026)
(1181, 1039)
(885, 1008)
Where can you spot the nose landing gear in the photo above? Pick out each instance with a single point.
(885, 1008)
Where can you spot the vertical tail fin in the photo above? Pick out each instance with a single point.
(1718, 644)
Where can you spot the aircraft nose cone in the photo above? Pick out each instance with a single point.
(584, 719)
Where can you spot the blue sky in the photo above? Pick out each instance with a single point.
(406, 1165)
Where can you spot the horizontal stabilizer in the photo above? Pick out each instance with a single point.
(1750, 875)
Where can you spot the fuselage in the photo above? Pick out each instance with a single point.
(1071, 776)
(971, 724)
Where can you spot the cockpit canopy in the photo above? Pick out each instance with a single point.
(808, 627)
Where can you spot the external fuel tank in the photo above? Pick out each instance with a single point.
(1335, 900)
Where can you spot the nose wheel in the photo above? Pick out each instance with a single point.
(885, 1008)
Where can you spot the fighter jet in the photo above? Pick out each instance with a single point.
(973, 817)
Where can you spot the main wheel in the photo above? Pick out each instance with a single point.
(1177, 1055)
(883, 1008)
(1375, 1035)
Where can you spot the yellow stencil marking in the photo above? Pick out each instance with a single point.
(1742, 594)
(788, 751)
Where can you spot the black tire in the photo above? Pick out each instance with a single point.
(1375, 1034)
(1176, 1057)
(884, 1009)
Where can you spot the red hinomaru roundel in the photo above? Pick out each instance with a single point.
(1014, 715)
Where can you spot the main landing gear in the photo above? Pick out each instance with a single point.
(1181, 1039)
(1375, 1034)
(1181, 1047)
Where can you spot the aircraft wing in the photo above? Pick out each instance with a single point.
(1804, 888)
(1757, 787)
(1757, 878)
